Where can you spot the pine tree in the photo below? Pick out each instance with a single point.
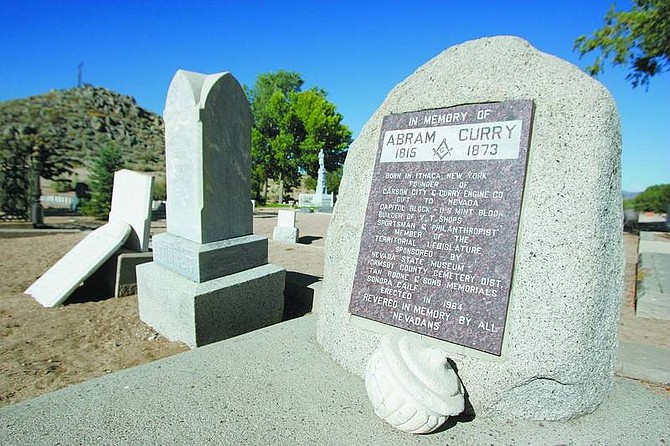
(108, 161)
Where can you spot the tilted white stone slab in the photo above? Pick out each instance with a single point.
(131, 203)
(56, 285)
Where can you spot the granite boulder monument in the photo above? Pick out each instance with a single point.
(489, 232)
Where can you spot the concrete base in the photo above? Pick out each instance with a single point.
(277, 386)
(203, 262)
(201, 313)
(285, 234)
(125, 283)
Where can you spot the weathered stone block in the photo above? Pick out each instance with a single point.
(201, 313)
(56, 285)
(201, 263)
(208, 157)
(131, 204)
(125, 283)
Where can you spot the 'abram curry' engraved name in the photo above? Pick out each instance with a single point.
(491, 133)
(409, 138)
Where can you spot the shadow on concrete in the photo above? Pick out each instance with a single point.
(298, 296)
(308, 239)
(468, 413)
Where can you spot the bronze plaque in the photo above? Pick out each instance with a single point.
(437, 251)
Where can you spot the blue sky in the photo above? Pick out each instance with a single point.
(357, 51)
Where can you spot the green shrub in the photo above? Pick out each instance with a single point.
(62, 185)
(654, 199)
(160, 189)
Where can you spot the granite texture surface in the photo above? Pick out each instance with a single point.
(203, 262)
(201, 313)
(560, 340)
(288, 392)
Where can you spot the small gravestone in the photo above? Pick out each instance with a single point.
(480, 215)
(285, 231)
(210, 278)
(128, 229)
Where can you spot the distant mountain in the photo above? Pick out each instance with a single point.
(86, 118)
(629, 195)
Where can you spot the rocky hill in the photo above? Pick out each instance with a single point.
(86, 118)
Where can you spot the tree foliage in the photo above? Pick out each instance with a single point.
(639, 38)
(291, 127)
(101, 179)
(14, 176)
(26, 154)
(654, 199)
(333, 180)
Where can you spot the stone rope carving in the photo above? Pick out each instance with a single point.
(411, 386)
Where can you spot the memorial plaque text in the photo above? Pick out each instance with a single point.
(437, 251)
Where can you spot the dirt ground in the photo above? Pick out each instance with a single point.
(44, 349)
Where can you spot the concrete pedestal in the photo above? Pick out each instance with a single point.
(201, 313)
(202, 262)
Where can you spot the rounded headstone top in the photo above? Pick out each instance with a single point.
(199, 91)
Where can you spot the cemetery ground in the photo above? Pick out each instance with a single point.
(44, 349)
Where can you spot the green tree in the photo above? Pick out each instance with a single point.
(654, 199)
(323, 131)
(108, 161)
(639, 38)
(333, 180)
(28, 153)
(308, 183)
(290, 127)
(268, 101)
(14, 175)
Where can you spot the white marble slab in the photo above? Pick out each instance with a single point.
(286, 219)
(208, 157)
(56, 285)
(131, 203)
